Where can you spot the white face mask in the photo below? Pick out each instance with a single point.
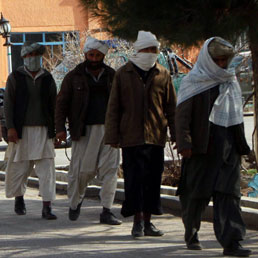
(144, 60)
(32, 63)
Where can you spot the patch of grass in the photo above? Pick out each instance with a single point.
(252, 171)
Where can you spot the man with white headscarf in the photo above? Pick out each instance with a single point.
(210, 137)
(29, 105)
(83, 100)
(141, 107)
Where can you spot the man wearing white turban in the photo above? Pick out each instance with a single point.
(83, 100)
(210, 137)
(141, 107)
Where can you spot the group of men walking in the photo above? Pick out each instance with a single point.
(131, 109)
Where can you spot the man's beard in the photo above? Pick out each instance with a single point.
(94, 65)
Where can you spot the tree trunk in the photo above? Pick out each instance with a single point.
(254, 51)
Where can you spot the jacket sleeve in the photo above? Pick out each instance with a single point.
(9, 98)
(63, 104)
(170, 108)
(183, 122)
(53, 97)
(112, 120)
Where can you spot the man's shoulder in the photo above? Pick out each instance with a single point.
(19, 70)
(109, 69)
(47, 73)
(78, 70)
(125, 68)
(162, 69)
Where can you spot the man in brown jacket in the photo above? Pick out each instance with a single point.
(141, 107)
(83, 100)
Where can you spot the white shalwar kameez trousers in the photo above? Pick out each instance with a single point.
(34, 150)
(91, 158)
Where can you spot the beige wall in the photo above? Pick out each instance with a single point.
(44, 15)
(40, 16)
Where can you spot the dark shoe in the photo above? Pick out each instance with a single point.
(47, 214)
(151, 230)
(74, 214)
(107, 217)
(194, 246)
(19, 206)
(194, 243)
(236, 250)
(138, 229)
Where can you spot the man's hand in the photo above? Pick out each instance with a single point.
(12, 135)
(186, 153)
(60, 137)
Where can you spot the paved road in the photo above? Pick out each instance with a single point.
(31, 236)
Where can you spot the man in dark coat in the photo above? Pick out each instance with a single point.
(210, 137)
(29, 106)
(83, 100)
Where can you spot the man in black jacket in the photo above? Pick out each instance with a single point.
(83, 100)
(29, 105)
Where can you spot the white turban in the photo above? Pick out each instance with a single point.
(92, 43)
(145, 39)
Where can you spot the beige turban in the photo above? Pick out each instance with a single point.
(220, 47)
(30, 46)
(145, 39)
(92, 43)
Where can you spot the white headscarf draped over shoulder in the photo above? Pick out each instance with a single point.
(92, 43)
(206, 74)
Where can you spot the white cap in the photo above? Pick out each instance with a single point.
(145, 39)
(92, 43)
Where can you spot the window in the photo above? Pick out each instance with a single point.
(54, 42)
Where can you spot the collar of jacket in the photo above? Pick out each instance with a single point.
(130, 67)
(80, 68)
(21, 69)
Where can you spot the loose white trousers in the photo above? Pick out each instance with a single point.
(28, 155)
(17, 174)
(91, 158)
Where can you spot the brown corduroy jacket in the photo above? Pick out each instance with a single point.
(140, 113)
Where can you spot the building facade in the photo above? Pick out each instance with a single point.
(44, 21)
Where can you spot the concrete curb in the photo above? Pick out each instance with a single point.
(169, 201)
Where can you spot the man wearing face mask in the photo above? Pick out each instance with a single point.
(83, 100)
(29, 105)
(210, 137)
(141, 107)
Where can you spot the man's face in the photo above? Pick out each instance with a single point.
(153, 50)
(94, 56)
(221, 61)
